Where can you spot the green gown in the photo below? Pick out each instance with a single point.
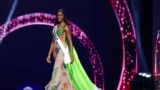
(76, 72)
(78, 76)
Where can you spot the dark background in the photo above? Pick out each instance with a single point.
(146, 30)
(142, 13)
(23, 52)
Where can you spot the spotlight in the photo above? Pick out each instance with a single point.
(148, 75)
(27, 88)
(140, 73)
(143, 81)
(143, 74)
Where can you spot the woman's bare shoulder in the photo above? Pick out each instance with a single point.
(66, 28)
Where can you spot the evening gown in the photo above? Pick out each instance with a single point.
(68, 76)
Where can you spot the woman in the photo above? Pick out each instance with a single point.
(68, 73)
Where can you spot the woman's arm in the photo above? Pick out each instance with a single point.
(51, 48)
(68, 33)
(50, 51)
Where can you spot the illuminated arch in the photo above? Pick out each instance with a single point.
(47, 19)
(130, 55)
(156, 69)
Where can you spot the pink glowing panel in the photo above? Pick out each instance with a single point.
(48, 19)
(129, 65)
(156, 56)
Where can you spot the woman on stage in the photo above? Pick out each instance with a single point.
(68, 73)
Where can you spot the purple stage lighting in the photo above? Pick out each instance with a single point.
(130, 54)
(47, 19)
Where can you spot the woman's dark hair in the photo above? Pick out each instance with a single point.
(65, 19)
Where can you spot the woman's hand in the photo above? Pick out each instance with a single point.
(72, 60)
(48, 59)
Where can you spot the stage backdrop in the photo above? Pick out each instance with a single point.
(23, 53)
(156, 40)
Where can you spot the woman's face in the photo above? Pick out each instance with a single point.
(60, 16)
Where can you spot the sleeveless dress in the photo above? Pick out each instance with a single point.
(68, 76)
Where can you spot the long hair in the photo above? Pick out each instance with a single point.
(65, 19)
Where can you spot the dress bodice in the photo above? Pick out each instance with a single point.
(58, 32)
